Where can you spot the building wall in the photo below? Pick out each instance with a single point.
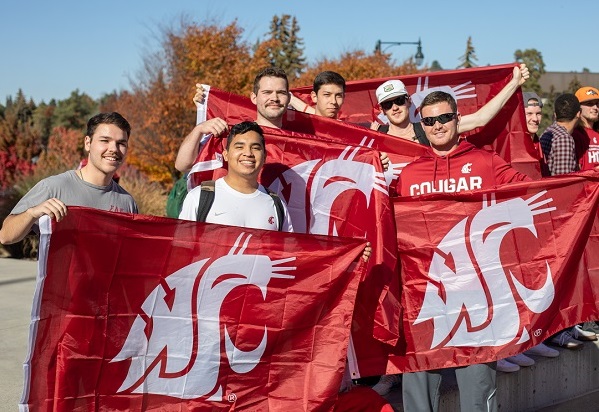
(561, 80)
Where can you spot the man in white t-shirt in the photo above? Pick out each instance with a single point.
(239, 200)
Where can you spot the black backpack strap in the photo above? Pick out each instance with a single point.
(206, 200)
(279, 207)
(421, 134)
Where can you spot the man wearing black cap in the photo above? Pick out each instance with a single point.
(533, 109)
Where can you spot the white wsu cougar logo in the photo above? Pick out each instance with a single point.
(486, 321)
(327, 184)
(186, 365)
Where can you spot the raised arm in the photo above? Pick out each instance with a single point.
(16, 227)
(300, 105)
(190, 147)
(492, 107)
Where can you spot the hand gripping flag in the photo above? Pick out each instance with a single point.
(145, 313)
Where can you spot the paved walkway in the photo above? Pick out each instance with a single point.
(17, 284)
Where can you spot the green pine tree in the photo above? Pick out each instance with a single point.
(469, 57)
(536, 66)
(286, 50)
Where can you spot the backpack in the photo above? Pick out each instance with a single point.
(176, 196)
(207, 198)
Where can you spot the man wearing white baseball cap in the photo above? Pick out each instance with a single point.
(394, 102)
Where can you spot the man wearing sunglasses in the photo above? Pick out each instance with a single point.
(451, 165)
(394, 102)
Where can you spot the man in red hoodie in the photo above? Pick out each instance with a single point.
(451, 165)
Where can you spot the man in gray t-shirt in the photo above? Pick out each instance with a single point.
(91, 186)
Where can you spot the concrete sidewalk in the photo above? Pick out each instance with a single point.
(17, 285)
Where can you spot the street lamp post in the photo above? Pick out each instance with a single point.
(418, 57)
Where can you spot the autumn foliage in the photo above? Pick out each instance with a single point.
(159, 102)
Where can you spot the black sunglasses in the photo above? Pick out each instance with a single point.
(442, 118)
(399, 100)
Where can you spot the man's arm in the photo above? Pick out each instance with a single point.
(16, 227)
(484, 115)
(190, 147)
(299, 105)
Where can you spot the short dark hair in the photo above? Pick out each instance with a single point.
(244, 127)
(270, 72)
(108, 118)
(328, 77)
(439, 97)
(566, 107)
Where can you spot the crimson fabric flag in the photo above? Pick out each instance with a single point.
(136, 312)
(488, 274)
(234, 109)
(334, 189)
(472, 88)
(315, 134)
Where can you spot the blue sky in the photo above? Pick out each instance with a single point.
(50, 48)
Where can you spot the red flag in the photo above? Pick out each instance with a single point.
(472, 88)
(336, 189)
(234, 109)
(136, 312)
(488, 274)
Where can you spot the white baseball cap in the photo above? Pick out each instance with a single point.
(390, 89)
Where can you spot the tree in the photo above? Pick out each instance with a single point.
(159, 106)
(284, 46)
(74, 111)
(536, 66)
(469, 56)
(356, 65)
(574, 85)
(43, 120)
(17, 128)
(436, 66)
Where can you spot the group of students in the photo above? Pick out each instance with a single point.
(239, 199)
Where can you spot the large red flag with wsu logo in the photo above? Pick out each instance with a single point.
(304, 158)
(488, 274)
(146, 313)
(337, 189)
(472, 88)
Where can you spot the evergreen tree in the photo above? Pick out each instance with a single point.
(285, 46)
(436, 66)
(17, 127)
(534, 61)
(43, 120)
(574, 85)
(74, 111)
(469, 57)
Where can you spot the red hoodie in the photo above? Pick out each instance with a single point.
(587, 147)
(465, 168)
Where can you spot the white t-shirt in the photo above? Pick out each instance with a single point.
(255, 210)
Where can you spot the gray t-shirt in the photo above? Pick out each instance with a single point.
(72, 191)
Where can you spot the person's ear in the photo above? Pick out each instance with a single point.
(226, 155)
(87, 143)
(253, 97)
(314, 97)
